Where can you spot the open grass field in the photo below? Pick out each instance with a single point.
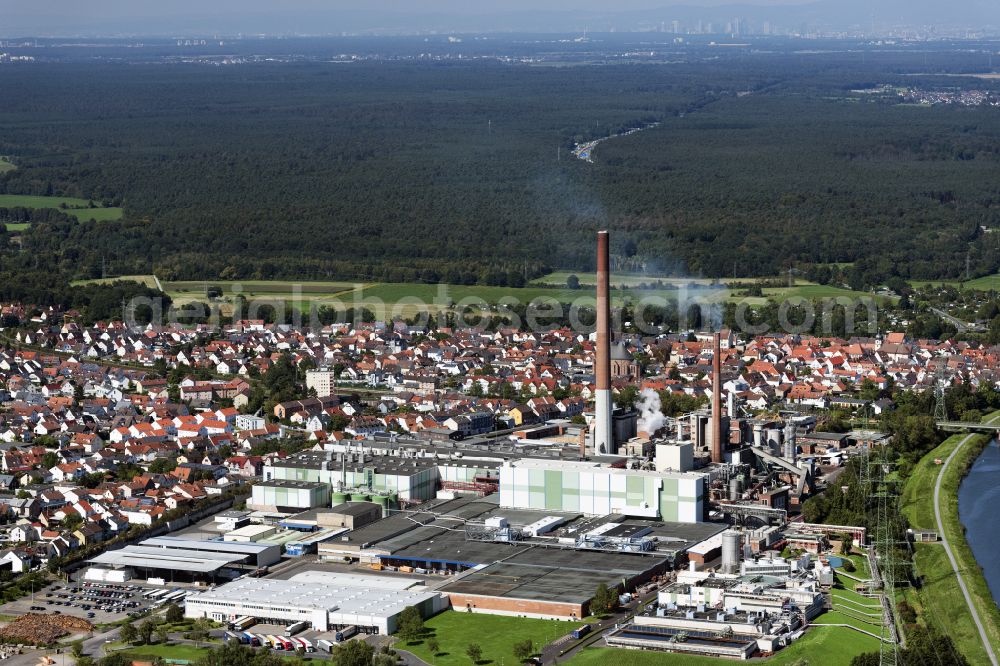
(17, 226)
(800, 289)
(410, 299)
(807, 291)
(394, 293)
(821, 646)
(860, 564)
(166, 651)
(985, 283)
(147, 280)
(617, 279)
(262, 287)
(78, 208)
(940, 594)
(6, 166)
(495, 634)
(299, 295)
(852, 618)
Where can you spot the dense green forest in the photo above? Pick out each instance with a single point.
(462, 172)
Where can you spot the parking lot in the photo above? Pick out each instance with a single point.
(98, 603)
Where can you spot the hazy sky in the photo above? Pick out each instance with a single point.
(157, 8)
(40, 17)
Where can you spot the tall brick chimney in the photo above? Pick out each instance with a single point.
(717, 447)
(602, 366)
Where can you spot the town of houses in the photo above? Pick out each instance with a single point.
(95, 441)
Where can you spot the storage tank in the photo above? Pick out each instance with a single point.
(758, 434)
(359, 497)
(735, 489)
(338, 498)
(774, 441)
(731, 552)
(790, 441)
(383, 502)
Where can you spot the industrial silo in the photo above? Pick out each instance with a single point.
(338, 498)
(731, 552)
(790, 450)
(774, 440)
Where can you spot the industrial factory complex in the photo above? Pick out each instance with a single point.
(690, 513)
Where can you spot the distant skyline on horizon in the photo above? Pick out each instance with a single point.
(319, 17)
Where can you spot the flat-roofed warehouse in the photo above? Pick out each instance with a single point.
(327, 601)
(551, 574)
(122, 564)
(174, 558)
(547, 584)
(250, 554)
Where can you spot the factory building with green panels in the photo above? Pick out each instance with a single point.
(363, 478)
(595, 489)
(283, 495)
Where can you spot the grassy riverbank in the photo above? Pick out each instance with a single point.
(940, 599)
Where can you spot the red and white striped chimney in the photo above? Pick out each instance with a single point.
(603, 408)
(717, 447)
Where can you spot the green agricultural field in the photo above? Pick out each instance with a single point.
(251, 288)
(6, 166)
(147, 280)
(78, 208)
(829, 646)
(985, 283)
(617, 279)
(261, 286)
(282, 294)
(805, 290)
(97, 214)
(940, 594)
(405, 299)
(495, 634)
(410, 299)
(16, 226)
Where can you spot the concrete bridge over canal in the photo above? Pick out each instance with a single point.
(966, 425)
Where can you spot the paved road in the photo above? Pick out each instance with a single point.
(951, 556)
(960, 326)
(557, 649)
(410, 659)
(94, 646)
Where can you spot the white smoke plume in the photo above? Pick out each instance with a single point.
(651, 416)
